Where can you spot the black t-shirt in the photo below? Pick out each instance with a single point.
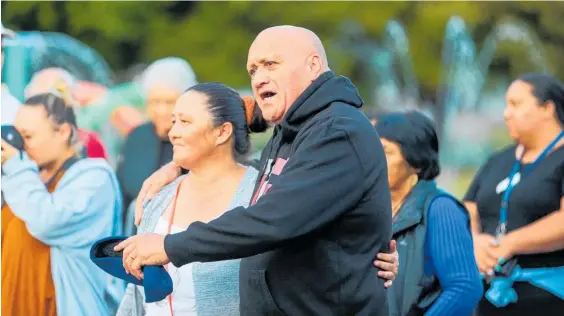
(537, 194)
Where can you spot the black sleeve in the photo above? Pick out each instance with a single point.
(319, 183)
(470, 195)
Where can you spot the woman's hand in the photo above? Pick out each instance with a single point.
(152, 185)
(8, 151)
(482, 251)
(501, 251)
(389, 264)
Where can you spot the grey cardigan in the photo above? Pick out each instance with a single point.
(216, 283)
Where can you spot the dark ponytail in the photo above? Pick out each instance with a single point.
(226, 105)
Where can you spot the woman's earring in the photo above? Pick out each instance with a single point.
(414, 179)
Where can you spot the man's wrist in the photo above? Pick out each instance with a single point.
(173, 248)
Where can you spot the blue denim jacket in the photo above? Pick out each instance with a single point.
(85, 206)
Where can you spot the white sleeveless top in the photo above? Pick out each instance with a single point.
(183, 294)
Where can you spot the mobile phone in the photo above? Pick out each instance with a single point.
(12, 137)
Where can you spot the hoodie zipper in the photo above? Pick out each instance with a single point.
(270, 161)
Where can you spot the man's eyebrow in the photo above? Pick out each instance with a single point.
(263, 60)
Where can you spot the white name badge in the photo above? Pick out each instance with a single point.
(502, 186)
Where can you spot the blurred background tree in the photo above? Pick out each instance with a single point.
(214, 36)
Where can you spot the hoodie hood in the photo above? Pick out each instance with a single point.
(318, 96)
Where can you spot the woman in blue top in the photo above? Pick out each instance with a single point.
(438, 274)
(61, 203)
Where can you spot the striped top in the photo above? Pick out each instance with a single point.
(449, 254)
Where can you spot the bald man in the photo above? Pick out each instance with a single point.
(321, 207)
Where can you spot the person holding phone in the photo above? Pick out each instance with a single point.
(57, 204)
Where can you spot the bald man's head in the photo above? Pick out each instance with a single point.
(303, 41)
(283, 61)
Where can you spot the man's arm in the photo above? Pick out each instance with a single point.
(153, 185)
(320, 182)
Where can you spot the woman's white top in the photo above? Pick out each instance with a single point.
(183, 295)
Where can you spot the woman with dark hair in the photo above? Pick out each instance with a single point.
(517, 207)
(210, 136)
(147, 147)
(57, 204)
(438, 273)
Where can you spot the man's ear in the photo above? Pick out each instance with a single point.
(315, 66)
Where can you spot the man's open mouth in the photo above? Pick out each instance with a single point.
(267, 95)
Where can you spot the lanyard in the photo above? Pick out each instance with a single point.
(171, 219)
(64, 167)
(515, 175)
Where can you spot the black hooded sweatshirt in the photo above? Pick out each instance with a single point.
(319, 215)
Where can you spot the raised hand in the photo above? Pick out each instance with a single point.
(152, 185)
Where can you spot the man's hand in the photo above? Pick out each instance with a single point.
(389, 264)
(152, 185)
(484, 259)
(142, 250)
(8, 151)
